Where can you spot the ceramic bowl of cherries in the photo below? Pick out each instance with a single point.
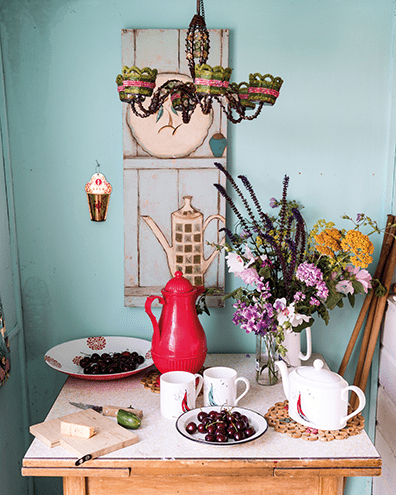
(221, 425)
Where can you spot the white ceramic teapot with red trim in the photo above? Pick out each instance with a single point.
(318, 398)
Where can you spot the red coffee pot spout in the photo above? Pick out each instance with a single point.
(179, 341)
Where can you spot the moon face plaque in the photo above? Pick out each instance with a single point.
(164, 135)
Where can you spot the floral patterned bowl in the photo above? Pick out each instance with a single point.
(66, 357)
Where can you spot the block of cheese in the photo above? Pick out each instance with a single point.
(76, 430)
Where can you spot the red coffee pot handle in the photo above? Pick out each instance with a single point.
(147, 308)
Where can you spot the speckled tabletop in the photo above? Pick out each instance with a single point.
(159, 439)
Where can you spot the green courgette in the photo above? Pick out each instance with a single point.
(128, 420)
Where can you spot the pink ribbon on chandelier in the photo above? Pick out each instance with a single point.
(212, 82)
(138, 84)
(264, 91)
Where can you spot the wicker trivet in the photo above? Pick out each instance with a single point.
(278, 417)
(151, 380)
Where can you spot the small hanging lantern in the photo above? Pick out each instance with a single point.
(98, 194)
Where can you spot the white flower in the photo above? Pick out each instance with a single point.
(287, 314)
(235, 263)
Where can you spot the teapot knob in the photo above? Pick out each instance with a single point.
(318, 364)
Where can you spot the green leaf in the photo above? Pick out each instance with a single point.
(357, 287)
(380, 290)
(333, 299)
(265, 272)
(351, 299)
(235, 294)
(304, 324)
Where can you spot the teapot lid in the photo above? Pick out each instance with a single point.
(316, 373)
(178, 284)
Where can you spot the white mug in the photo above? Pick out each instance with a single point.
(178, 391)
(220, 386)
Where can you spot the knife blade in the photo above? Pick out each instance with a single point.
(107, 410)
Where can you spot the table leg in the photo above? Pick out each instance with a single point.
(74, 485)
(331, 485)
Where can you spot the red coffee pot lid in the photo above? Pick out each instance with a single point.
(178, 284)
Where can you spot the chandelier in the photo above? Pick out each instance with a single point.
(243, 101)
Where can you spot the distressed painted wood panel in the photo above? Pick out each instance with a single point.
(169, 174)
(385, 438)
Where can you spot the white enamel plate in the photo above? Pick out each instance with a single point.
(66, 357)
(256, 420)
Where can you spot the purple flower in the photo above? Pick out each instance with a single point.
(310, 274)
(359, 217)
(273, 203)
(322, 291)
(299, 296)
(314, 302)
(257, 318)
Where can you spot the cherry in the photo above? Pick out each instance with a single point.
(249, 431)
(201, 428)
(239, 435)
(239, 425)
(202, 415)
(191, 427)
(220, 437)
(211, 428)
(230, 431)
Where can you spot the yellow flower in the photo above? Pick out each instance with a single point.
(328, 242)
(360, 245)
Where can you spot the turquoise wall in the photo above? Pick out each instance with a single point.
(13, 398)
(330, 131)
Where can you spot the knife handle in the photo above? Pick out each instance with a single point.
(113, 410)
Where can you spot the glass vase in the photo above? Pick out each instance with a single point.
(266, 355)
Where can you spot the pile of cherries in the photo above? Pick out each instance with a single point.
(108, 364)
(221, 426)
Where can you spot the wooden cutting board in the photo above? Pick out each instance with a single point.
(109, 435)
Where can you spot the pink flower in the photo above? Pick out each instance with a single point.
(364, 277)
(249, 276)
(345, 287)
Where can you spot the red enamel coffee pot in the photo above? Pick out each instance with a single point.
(179, 341)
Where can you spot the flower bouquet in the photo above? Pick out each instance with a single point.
(290, 274)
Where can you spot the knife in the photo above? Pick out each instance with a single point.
(107, 410)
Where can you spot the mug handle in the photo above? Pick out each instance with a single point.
(199, 385)
(362, 401)
(305, 357)
(247, 383)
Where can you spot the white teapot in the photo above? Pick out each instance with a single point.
(318, 398)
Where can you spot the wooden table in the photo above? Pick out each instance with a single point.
(165, 463)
